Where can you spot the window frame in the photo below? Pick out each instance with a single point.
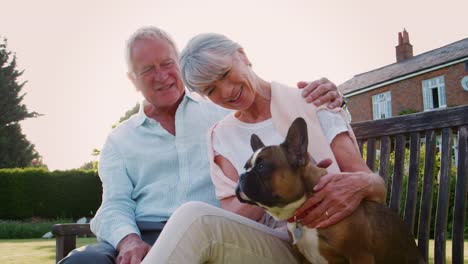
(428, 85)
(382, 102)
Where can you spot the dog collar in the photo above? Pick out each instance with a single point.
(292, 219)
(297, 218)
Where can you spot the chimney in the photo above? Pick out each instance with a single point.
(404, 50)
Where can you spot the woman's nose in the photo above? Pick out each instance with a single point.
(226, 89)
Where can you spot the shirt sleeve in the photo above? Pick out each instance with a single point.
(224, 186)
(332, 124)
(116, 217)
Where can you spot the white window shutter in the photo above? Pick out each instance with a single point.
(375, 107)
(427, 96)
(442, 102)
(389, 104)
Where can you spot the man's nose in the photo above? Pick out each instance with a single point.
(160, 75)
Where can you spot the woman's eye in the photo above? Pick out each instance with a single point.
(210, 92)
(225, 75)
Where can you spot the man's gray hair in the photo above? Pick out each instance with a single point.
(147, 32)
(204, 59)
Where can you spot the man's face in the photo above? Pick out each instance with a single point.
(156, 72)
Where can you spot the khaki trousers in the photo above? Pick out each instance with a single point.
(201, 233)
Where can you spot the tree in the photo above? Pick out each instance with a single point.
(15, 149)
(128, 114)
(90, 165)
(93, 165)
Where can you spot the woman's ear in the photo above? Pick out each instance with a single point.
(243, 57)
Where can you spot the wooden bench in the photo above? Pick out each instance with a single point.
(65, 237)
(438, 130)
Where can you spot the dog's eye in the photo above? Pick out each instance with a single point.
(260, 165)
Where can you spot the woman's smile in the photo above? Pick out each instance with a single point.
(237, 97)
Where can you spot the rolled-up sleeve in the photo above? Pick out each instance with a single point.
(116, 217)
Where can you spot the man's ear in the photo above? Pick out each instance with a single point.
(256, 143)
(296, 143)
(132, 77)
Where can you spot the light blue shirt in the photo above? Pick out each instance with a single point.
(147, 173)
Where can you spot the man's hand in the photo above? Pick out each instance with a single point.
(321, 92)
(131, 250)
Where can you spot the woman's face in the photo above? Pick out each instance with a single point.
(235, 89)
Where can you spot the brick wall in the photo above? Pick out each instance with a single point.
(407, 94)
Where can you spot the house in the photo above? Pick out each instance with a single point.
(434, 79)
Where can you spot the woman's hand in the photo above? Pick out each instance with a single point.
(336, 196)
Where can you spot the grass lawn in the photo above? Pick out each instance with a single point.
(32, 251)
(35, 251)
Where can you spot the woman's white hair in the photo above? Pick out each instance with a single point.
(147, 32)
(205, 59)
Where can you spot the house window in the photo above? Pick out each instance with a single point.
(382, 105)
(434, 93)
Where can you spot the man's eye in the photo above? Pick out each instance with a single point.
(146, 71)
(166, 64)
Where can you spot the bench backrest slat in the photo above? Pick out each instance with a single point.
(397, 148)
(397, 181)
(413, 176)
(385, 146)
(460, 197)
(426, 196)
(443, 196)
(370, 160)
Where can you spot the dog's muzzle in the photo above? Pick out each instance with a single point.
(241, 196)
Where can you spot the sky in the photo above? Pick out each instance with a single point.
(72, 52)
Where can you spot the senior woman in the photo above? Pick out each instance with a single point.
(218, 68)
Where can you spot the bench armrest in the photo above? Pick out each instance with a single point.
(66, 237)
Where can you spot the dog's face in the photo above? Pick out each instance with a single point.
(279, 175)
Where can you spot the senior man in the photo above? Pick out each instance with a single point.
(157, 159)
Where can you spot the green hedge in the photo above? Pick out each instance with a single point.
(25, 193)
(28, 229)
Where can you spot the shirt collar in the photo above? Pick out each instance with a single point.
(141, 117)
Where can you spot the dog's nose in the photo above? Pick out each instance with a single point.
(242, 176)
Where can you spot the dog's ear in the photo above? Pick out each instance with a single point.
(256, 142)
(296, 143)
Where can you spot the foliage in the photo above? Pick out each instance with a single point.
(31, 228)
(435, 188)
(15, 149)
(90, 165)
(96, 152)
(128, 114)
(36, 192)
(408, 111)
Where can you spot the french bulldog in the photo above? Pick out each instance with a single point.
(280, 178)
